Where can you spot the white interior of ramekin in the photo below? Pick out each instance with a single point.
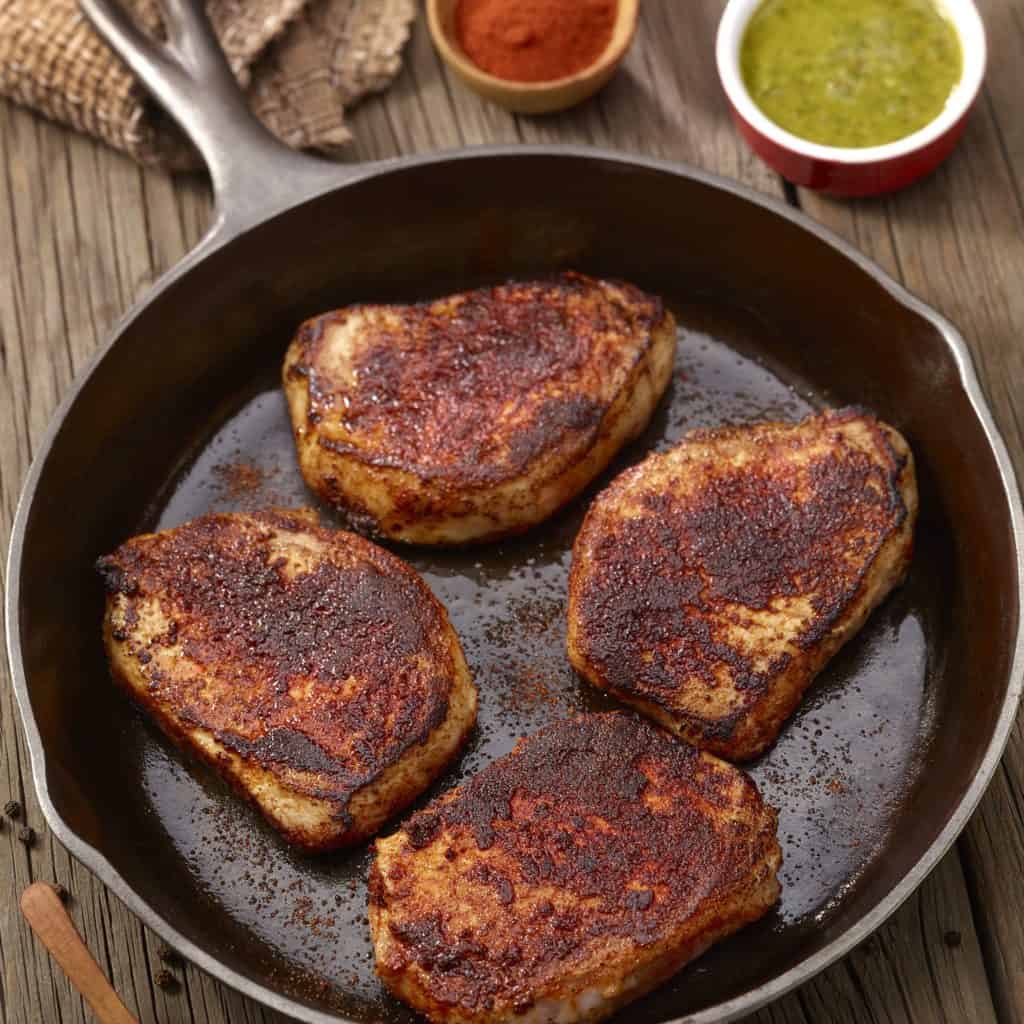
(962, 13)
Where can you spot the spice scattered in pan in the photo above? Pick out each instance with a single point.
(239, 479)
(531, 689)
(952, 939)
(60, 892)
(239, 483)
(26, 835)
(12, 809)
(534, 40)
(170, 956)
(167, 981)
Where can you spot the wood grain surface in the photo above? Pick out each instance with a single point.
(83, 232)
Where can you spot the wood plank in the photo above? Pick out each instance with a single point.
(1004, 24)
(35, 369)
(666, 101)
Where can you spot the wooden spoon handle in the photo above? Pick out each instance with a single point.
(50, 921)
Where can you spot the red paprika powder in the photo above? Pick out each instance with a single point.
(534, 40)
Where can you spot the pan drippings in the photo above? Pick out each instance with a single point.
(837, 774)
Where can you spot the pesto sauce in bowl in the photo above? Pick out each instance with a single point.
(850, 73)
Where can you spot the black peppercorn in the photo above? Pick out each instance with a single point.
(61, 892)
(166, 980)
(12, 809)
(26, 835)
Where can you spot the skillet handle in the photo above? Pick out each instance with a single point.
(254, 175)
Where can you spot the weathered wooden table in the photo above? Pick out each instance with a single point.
(83, 232)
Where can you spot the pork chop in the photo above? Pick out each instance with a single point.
(571, 876)
(712, 582)
(313, 670)
(479, 414)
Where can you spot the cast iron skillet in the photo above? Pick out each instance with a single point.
(180, 413)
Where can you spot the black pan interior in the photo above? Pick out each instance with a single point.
(184, 416)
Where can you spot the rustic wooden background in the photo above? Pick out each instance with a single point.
(83, 233)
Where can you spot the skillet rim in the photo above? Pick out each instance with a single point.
(221, 233)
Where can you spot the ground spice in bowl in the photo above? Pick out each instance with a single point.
(534, 40)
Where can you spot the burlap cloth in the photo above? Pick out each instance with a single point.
(301, 63)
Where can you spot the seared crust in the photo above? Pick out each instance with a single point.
(570, 876)
(314, 670)
(478, 414)
(712, 582)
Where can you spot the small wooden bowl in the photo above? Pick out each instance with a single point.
(531, 97)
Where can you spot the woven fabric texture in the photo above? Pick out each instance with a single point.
(301, 63)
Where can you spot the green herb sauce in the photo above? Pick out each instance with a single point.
(850, 72)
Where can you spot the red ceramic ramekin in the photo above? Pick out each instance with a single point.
(839, 170)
